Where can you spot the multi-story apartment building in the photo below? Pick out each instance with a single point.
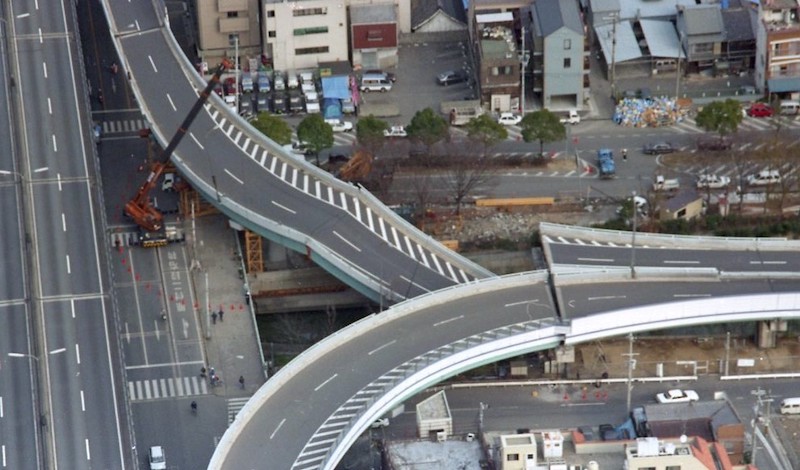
(222, 25)
(560, 58)
(778, 48)
(498, 57)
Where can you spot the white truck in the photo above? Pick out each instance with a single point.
(571, 118)
(663, 184)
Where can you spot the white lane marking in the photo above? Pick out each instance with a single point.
(72, 307)
(88, 453)
(767, 262)
(196, 141)
(2, 413)
(284, 207)
(276, 429)
(23, 15)
(58, 351)
(444, 322)
(41, 36)
(607, 297)
(49, 106)
(325, 382)
(171, 103)
(55, 144)
(58, 177)
(69, 268)
(234, 176)
(78, 353)
(63, 222)
(347, 241)
(603, 260)
(83, 402)
(381, 347)
(41, 169)
(691, 295)
(666, 261)
(138, 28)
(153, 64)
(523, 302)
(44, 69)
(414, 283)
(36, 4)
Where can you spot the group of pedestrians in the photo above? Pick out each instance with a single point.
(215, 315)
(214, 379)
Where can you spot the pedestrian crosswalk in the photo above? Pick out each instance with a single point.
(153, 389)
(689, 126)
(119, 239)
(124, 126)
(234, 406)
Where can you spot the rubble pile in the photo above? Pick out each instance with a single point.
(649, 112)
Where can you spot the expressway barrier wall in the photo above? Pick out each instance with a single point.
(363, 326)
(366, 283)
(672, 241)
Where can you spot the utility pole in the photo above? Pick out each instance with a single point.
(678, 69)
(762, 397)
(523, 58)
(631, 366)
(635, 209)
(615, 18)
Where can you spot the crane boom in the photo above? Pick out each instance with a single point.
(147, 216)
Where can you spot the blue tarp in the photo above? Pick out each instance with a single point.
(331, 108)
(336, 87)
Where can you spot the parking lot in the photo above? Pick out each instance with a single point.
(416, 87)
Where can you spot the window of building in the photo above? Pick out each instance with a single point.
(270, 34)
(512, 457)
(567, 44)
(646, 468)
(309, 11)
(232, 38)
(233, 14)
(504, 70)
(530, 457)
(673, 467)
(311, 50)
(375, 35)
(311, 30)
(681, 213)
(567, 62)
(270, 13)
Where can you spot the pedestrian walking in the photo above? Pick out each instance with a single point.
(625, 154)
(241, 381)
(203, 373)
(221, 313)
(214, 318)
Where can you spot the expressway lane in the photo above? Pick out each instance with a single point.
(660, 257)
(77, 351)
(301, 405)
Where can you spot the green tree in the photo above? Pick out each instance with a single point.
(721, 117)
(427, 127)
(315, 133)
(542, 126)
(273, 127)
(369, 132)
(486, 130)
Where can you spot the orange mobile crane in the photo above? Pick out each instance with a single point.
(149, 219)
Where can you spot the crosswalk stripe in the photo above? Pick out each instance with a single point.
(154, 389)
(147, 394)
(179, 387)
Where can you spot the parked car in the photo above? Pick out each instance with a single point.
(278, 82)
(714, 143)
(389, 75)
(509, 119)
(764, 178)
(658, 148)
(348, 106)
(677, 396)
(263, 82)
(245, 106)
(97, 132)
(280, 103)
(395, 131)
(247, 83)
(712, 181)
(263, 102)
(450, 77)
(340, 126)
(759, 110)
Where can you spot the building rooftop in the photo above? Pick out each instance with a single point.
(434, 407)
(739, 23)
(368, 14)
(423, 10)
(702, 19)
(552, 15)
(662, 39)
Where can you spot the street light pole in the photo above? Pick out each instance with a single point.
(524, 58)
(633, 238)
(678, 68)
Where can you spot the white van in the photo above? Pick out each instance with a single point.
(375, 83)
(790, 108)
(790, 406)
(764, 178)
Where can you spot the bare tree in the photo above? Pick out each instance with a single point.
(464, 173)
(423, 186)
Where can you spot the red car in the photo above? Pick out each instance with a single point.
(759, 110)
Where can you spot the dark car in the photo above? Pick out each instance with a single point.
(714, 143)
(450, 77)
(280, 103)
(263, 102)
(658, 148)
(389, 75)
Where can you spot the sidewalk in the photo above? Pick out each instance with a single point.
(231, 343)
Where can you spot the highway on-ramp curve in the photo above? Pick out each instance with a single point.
(258, 184)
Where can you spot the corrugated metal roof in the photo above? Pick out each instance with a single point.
(627, 45)
(630, 9)
(738, 24)
(552, 15)
(370, 14)
(662, 39)
(703, 19)
(494, 17)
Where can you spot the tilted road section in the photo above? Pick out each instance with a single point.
(255, 182)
